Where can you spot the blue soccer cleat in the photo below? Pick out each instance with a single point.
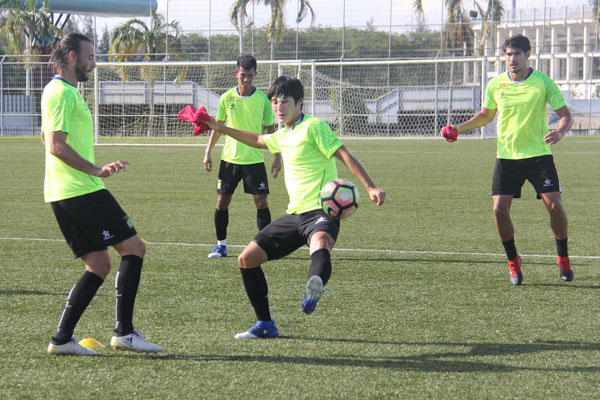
(218, 251)
(314, 290)
(262, 330)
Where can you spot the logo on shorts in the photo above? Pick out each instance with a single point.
(321, 219)
(547, 183)
(262, 186)
(129, 222)
(219, 182)
(107, 235)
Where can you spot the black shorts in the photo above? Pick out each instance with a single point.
(288, 233)
(510, 175)
(254, 176)
(92, 222)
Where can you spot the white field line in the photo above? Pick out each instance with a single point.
(382, 251)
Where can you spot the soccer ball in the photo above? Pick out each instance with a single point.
(339, 198)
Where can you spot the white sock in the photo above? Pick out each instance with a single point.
(222, 242)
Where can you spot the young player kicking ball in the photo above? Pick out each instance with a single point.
(307, 146)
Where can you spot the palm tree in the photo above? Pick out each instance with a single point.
(490, 18)
(135, 40)
(457, 34)
(276, 27)
(36, 25)
(37, 28)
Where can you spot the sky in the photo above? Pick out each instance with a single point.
(193, 15)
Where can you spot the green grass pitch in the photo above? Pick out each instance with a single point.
(420, 304)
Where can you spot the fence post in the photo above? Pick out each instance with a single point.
(165, 98)
(2, 95)
(96, 106)
(483, 86)
(436, 96)
(313, 91)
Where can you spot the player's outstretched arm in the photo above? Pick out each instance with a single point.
(355, 166)
(483, 117)
(58, 147)
(250, 138)
(564, 124)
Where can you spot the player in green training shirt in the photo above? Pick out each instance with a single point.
(242, 107)
(520, 96)
(88, 215)
(308, 148)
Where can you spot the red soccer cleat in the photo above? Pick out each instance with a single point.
(564, 265)
(514, 265)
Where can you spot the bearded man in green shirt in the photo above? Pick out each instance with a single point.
(308, 149)
(89, 217)
(520, 97)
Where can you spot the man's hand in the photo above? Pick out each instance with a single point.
(207, 162)
(554, 136)
(449, 133)
(111, 168)
(377, 195)
(213, 124)
(276, 166)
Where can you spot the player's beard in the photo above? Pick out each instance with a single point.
(80, 73)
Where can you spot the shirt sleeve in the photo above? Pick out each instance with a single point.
(488, 101)
(268, 117)
(554, 96)
(222, 109)
(272, 142)
(60, 110)
(324, 138)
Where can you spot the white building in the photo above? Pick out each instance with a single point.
(564, 45)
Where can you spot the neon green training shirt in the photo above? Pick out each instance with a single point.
(522, 113)
(246, 114)
(64, 110)
(307, 152)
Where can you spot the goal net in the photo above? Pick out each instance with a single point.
(140, 101)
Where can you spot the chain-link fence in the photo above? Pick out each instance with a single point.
(357, 98)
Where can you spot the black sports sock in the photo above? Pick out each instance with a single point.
(79, 298)
(263, 217)
(258, 292)
(510, 249)
(221, 222)
(127, 282)
(561, 247)
(320, 264)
